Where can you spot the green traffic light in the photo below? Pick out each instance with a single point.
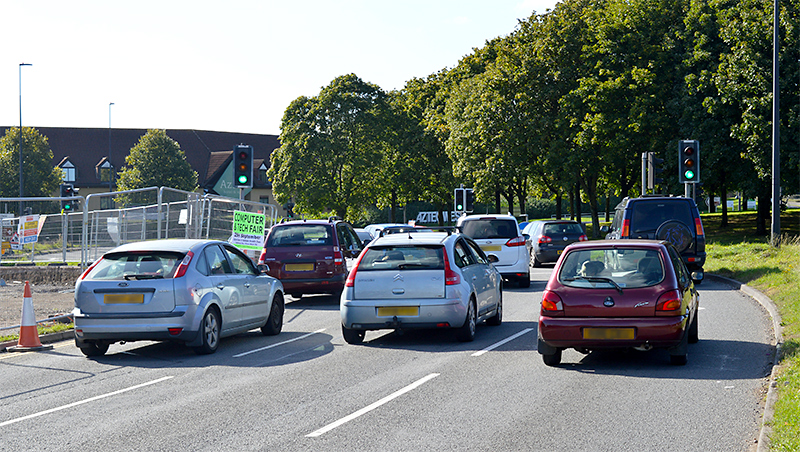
(688, 174)
(459, 207)
(242, 179)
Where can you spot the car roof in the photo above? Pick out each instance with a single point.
(632, 243)
(306, 222)
(179, 245)
(411, 238)
(487, 217)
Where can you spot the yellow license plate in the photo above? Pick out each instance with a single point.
(398, 310)
(123, 298)
(300, 267)
(609, 333)
(491, 247)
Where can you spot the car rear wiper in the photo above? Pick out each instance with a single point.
(597, 279)
(411, 264)
(137, 277)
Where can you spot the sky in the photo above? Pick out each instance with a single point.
(231, 66)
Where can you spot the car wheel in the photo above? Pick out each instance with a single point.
(94, 348)
(677, 233)
(352, 336)
(296, 296)
(209, 333)
(467, 332)
(497, 318)
(693, 333)
(536, 262)
(274, 323)
(552, 359)
(678, 355)
(525, 281)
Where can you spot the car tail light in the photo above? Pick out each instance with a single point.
(626, 228)
(451, 278)
(552, 304)
(698, 226)
(544, 239)
(670, 303)
(174, 331)
(338, 258)
(516, 241)
(262, 258)
(184, 265)
(83, 275)
(351, 277)
(583, 238)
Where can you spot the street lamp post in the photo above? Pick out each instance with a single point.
(21, 189)
(110, 167)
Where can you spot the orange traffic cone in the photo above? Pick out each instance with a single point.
(28, 334)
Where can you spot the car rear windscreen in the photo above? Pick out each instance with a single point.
(648, 216)
(136, 265)
(563, 228)
(300, 235)
(490, 229)
(403, 258)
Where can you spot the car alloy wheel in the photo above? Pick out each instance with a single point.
(209, 333)
(467, 332)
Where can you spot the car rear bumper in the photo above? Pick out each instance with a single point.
(363, 315)
(566, 332)
(132, 327)
(314, 285)
(548, 256)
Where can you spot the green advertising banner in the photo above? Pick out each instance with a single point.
(248, 230)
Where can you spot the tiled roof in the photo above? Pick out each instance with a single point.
(206, 151)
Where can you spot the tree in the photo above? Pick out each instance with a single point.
(330, 145)
(40, 178)
(155, 161)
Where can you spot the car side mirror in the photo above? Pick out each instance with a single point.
(526, 237)
(605, 229)
(697, 276)
(493, 259)
(262, 268)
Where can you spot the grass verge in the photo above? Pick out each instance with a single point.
(43, 329)
(737, 253)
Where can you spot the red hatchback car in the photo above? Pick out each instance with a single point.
(310, 256)
(618, 294)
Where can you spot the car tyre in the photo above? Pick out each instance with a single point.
(693, 330)
(536, 262)
(467, 331)
(679, 355)
(525, 281)
(552, 359)
(352, 336)
(92, 349)
(209, 333)
(274, 323)
(497, 318)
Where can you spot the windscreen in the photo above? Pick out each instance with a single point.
(607, 267)
(136, 265)
(490, 229)
(300, 235)
(403, 258)
(562, 228)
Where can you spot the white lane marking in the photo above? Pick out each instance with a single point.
(278, 344)
(81, 402)
(494, 346)
(369, 408)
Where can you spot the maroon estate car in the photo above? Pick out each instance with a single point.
(619, 294)
(310, 256)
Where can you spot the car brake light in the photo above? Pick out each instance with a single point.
(184, 265)
(669, 302)
(262, 258)
(698, 226)
(626, 228)
(544, 239)
(338, 258)
(516, 241)
(583, 238)
(83, 275)
(451, 278)
(351, 277)
(174, 331)
(551, 303)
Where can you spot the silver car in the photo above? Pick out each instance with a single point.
(190, 291)
(421, 280)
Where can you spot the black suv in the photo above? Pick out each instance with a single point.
(674, 219)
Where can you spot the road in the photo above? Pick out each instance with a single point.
(306, 389)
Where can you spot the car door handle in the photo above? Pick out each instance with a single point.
(220, 286)
(247, 285)
(474, 278)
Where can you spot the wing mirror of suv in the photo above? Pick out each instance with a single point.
(605, 229)
(493, 259)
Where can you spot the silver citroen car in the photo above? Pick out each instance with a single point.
(189, 291)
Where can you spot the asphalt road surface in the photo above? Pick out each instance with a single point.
(306, 389)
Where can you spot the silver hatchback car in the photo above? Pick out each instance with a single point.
(190, 291)
(421, 280)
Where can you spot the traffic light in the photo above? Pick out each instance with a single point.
(469, 201)
(460, 198)
(689, 161)
(653, 168)
(243, 166)
(67, 190)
